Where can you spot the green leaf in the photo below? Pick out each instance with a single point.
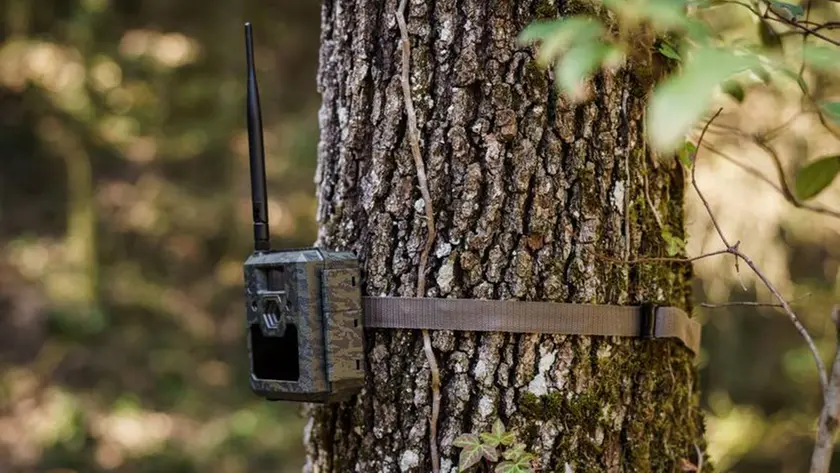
(473, 449)
(490, 453)
(469, 457)
(686, 154)
(498, 435)
(788, 10)
(465, 440)
(520, 466)
(770, 39)
(490, 439)
(498, 428)
(815, 176)
(514, 452)
(507, 438)
(662, 14)
(578, 64)
(668, 51)
(733, 89)
(539, 30)
(674, 245)
(822, 57)
(665, 13)
(832, 110)
(558, 35)
(698, 31)
(762, 74)
(680, 100)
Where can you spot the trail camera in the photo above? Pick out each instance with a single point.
(304, 314)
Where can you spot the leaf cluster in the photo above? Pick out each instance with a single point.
(581, 45)
(578, 46)
(486, 445)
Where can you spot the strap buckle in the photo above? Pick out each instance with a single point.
(647, 322)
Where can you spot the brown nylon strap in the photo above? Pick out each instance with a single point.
(481, 315)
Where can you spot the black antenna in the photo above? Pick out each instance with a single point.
(259, 197)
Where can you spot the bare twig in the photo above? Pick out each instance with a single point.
(787, 192)
(703, 198)
(694, 181)
(751, 303)
(821, 115)
(648, 199)
(738, 275)
(414, 138)
(734, 249)
(773, 132)
(816, 208)
(805, 36)
(739, 303)
(830, 415)
(658, 259)
(829, 25)
(800, 26)
(699, 458)
(749, 170)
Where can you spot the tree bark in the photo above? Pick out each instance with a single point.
(528, 190)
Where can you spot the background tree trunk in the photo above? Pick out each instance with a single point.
(527, 188)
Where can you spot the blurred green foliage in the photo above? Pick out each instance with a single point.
(124, 220)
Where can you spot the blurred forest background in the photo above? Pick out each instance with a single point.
(124, 220)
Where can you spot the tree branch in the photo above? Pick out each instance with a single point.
(760, 176)
(749, 303)
(658, 259)
(786, 191)
(830, 415)
(780, 19)
(733, 249)
(694, 180)
(795, 24)
(740, 303)
(772, 133)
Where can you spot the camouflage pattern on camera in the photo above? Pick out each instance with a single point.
(305, 338)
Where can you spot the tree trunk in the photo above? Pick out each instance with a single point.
(528, 191)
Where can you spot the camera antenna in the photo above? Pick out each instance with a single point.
(259, 197)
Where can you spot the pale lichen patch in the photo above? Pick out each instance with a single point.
(538, 385)
(445, 276)
(443, 249)
(486, 406)
(618, 197)
(480, 369)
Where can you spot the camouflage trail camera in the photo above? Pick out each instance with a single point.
(303, 309)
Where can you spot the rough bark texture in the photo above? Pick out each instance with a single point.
(527, 190)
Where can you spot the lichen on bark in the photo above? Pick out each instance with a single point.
(528, 189)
